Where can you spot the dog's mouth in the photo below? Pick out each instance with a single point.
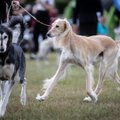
(49, 35)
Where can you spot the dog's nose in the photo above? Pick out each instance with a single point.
(1, 50)
(48, 35)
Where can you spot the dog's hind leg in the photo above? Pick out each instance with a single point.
(89, 82)
(49, 84)
(108, 66)
(6, 97)
(116, 79)
(102, 74)
(114, 74)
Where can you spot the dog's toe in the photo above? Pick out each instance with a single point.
(40, 98)
(23, 101)
(87, 99)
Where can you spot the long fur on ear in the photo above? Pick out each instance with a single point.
(4, 28)
(68, 28)
(67, 23)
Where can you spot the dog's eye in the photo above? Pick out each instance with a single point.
(57, 26)
(5, 37)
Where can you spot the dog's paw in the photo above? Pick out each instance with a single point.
(40, 98)
(87, 99)
(95, 98)
(23, 100)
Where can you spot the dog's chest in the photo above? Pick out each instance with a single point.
(71, 57)
(74, 58)
(6, 70)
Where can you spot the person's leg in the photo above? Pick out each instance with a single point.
(44, 28)
(92, 28)
(88, 28)
(35, 38)
(44, 32)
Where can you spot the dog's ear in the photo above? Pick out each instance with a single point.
(9, 31)
(67, 24)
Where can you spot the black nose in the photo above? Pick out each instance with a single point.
(1, 50)
(48, 35)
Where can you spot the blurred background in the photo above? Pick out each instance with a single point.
(66, 101)
(111, 11)
(35, 34)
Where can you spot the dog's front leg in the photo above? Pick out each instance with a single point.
(6, 98)
(50, 83)
(23, 96)
(89, 83)
(4, 85)
(1, 91)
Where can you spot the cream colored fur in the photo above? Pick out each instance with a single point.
(83, 51)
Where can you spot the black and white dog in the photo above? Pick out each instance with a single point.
(12, 63)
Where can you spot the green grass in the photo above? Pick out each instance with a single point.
(66, 100)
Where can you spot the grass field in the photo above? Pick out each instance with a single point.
(66, 100)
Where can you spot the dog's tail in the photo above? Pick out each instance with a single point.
(18, 20)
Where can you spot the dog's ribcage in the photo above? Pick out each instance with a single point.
(78, 57)
(72, 57)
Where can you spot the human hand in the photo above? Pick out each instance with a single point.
(15, 4)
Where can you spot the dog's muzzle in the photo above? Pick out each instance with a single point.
(49, 35)
(2, 50)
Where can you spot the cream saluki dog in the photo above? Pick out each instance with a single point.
(83, 51)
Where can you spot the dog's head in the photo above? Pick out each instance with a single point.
(5, 38)
(59, 27)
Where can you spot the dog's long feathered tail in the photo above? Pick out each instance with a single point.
(18, 20)
(118, 44)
